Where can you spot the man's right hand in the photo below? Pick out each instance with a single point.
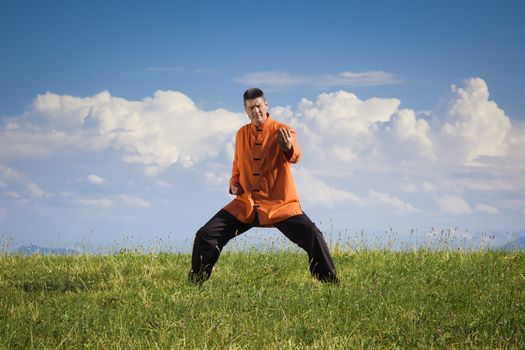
(236, 189)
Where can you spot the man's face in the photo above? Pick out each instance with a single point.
(256, 110)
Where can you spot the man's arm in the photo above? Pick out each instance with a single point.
(288, 144)
(235, 186)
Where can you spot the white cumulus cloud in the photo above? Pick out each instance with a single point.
(281, 79)
(368, 140)
(103, 203)
(485, 208)
(357, 153)
(392, 201)
(414, 132)
(156, 132)
(215, 179)
(454, 205)
(11, 178)
(135, 201)
(474, 125)
(35, 190)
(95, 179)
(340, 127)
(315, 191)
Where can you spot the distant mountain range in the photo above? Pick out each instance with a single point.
(34, 249)
(518, 244)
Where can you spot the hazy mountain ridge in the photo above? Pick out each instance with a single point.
(35, 249)
(514, 244)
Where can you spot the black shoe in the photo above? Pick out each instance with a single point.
(335, 281)
(329, 279)
(197, 278)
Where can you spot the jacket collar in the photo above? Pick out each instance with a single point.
(269, 121)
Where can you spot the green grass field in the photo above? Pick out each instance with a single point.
(418, 299)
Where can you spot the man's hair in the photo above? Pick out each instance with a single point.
(252, 93)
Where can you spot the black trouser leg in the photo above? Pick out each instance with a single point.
(303, 232)
(209, 241)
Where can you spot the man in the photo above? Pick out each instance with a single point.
(265, 195)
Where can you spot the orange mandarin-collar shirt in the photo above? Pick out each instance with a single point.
(264, 172)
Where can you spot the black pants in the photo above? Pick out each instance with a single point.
(213, 236)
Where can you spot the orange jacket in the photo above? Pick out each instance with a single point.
(264, 172)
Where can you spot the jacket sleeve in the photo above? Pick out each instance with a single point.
(235, 170)
(294, 154)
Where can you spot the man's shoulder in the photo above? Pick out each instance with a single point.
(278, 125)
(243, 128)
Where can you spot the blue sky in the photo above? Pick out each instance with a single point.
(424, 98)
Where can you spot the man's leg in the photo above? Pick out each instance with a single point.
(209, 241)
(303, 232)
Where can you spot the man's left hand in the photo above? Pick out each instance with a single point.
(284, 139)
